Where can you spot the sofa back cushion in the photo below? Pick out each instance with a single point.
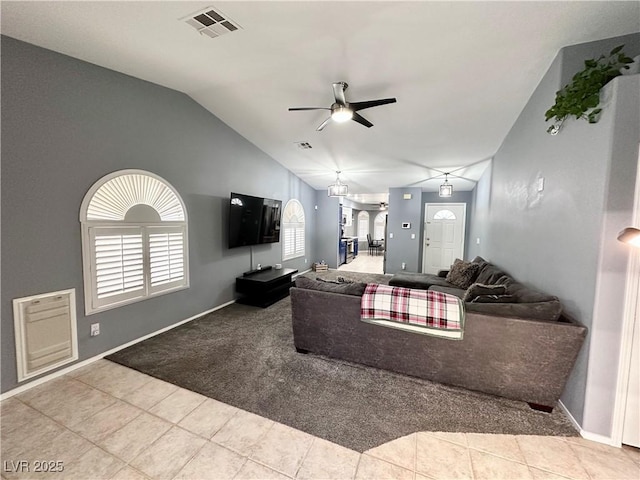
(489, 274)
(479, 289)
(354, 288)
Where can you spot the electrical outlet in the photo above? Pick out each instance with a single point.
(95, 329)
(404, 265)
(478, 241)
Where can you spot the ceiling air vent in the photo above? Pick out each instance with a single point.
(210, 22)
(304, 145)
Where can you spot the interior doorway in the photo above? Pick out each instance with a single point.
(444, 231)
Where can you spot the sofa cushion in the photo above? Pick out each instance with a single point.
(462, 274)
(547, 311)
(489, 274)
(458, 292)
(354, 288)
(421, 281)
(524, 294)
(494, 299)
(478, 289)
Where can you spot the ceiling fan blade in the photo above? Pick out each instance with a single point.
(323, 124)
(338, 92)
(308, 108)
(355, 106)
(361, 120)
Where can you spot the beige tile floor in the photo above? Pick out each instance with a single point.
(105, 421)
(364, 263)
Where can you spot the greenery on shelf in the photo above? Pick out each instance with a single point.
(581, 97)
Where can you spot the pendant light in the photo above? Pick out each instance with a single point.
(338, 189)
(446, 189)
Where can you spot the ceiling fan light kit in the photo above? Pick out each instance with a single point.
(338, 189)
(343, 111)
(341, 114)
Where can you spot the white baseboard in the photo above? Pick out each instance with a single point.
(75, 366)
(594, 437)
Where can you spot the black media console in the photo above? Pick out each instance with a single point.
(264, 287)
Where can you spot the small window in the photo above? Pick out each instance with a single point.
(134, 240)
(363, 225)
(444, 215)
(293, 230)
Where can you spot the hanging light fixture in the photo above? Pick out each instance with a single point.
(338, 189)
(630, 235)
(446, 189)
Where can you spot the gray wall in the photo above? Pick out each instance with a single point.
(561, 240)
(67, 123)
(327, 228)
(402, 248)
(478, 216)
(614, 256)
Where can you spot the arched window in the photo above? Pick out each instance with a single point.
(363, 225)
(378, 226)
(444, 215)
(293, 230)
(134, 240)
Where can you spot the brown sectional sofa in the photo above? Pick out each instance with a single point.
(518, 358)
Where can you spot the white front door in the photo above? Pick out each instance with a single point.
(443, 235)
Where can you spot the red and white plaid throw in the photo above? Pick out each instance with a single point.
(421, 311)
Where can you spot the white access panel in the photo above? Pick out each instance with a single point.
(45, 332)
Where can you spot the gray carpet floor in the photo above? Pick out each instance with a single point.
(244, 356)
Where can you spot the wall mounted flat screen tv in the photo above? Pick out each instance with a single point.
(253, 220)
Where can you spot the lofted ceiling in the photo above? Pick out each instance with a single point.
(461, 72)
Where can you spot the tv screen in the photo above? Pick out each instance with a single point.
(253, 220)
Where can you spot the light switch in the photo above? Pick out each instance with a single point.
(413, 235)
(391, 235)
(478, 241)
(541, 184)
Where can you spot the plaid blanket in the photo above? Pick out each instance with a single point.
(420, 311)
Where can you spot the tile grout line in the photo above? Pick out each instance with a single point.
(313, 441)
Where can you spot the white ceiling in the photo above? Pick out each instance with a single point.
(461, 72)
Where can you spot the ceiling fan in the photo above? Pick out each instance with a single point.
(343, 111)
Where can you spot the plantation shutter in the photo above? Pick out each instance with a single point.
(166, 257)
(289, 242)
(299, 248)
(363, 225)
(293, 244)
(134, 240)
(118, 263)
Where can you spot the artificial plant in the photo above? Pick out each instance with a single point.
(581, 97)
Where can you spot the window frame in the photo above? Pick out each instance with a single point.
(286, 225)
(90, 228)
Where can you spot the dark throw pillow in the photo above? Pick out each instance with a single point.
(478, 289)
(462, 274)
